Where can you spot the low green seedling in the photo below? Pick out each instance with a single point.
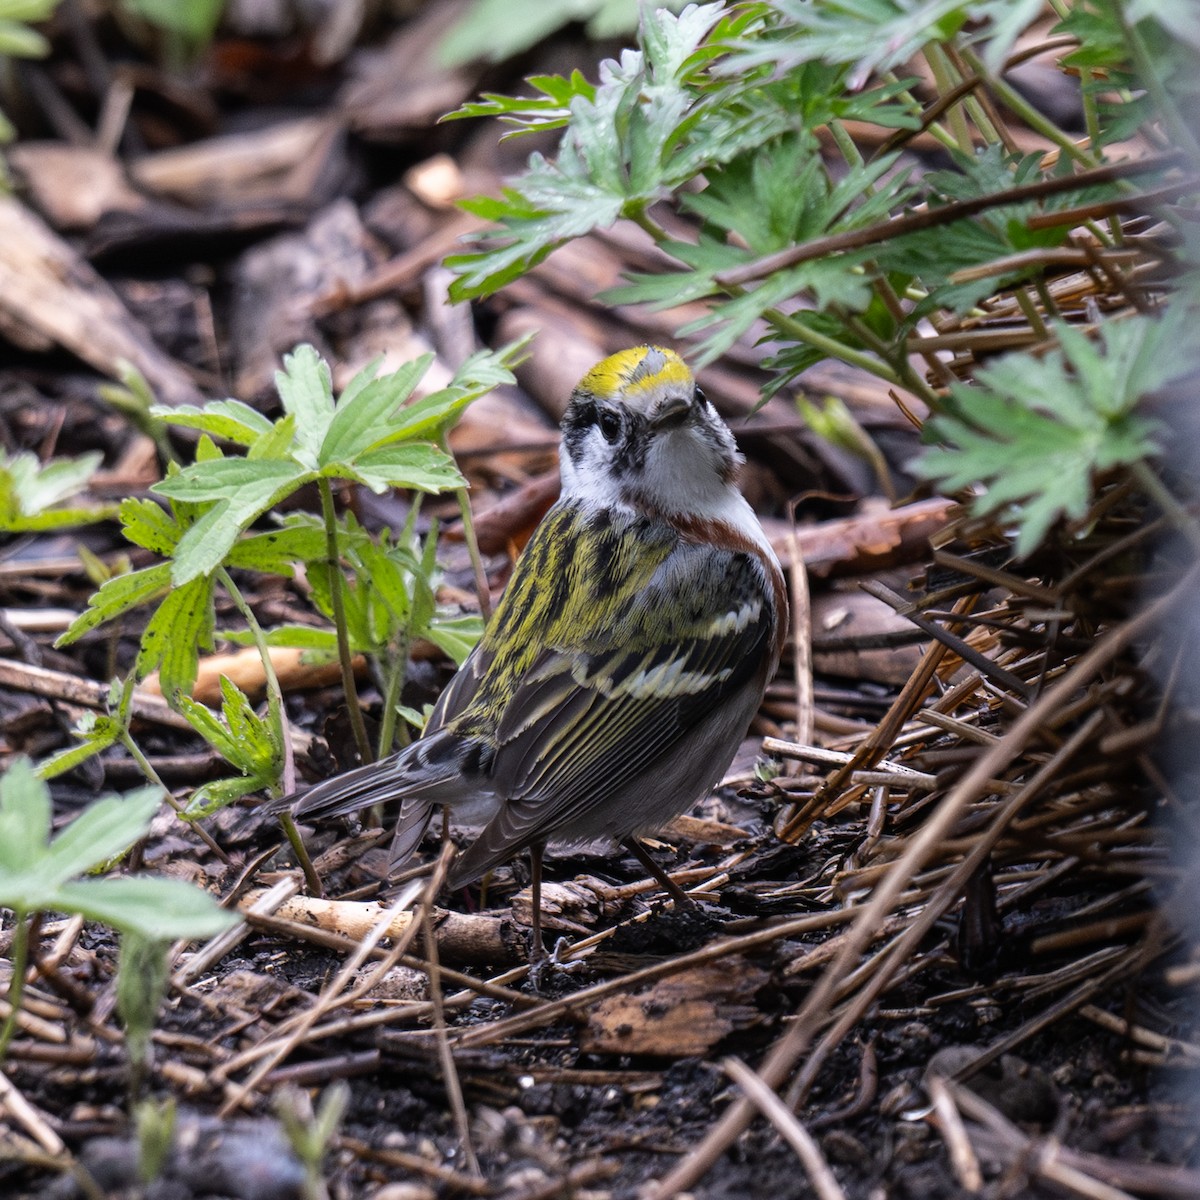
(40, 873)
(374, 434)
(32, 493)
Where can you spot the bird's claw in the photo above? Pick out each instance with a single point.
(545, 966)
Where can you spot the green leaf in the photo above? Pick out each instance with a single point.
(300, 637)
(119, 595)
(418, 465)
(531, 114)
(280, 551)
(305, 386)
(243, 490)
(29, 492)
(150, 526)
(105, 829)
(175, 635)
(24, 817)
(18, 41)
(367, 414)
(98, 735)
(152, 907)
(37, 874)
(455, 635)
(618, 155)
(229, 419)
(195, 20)
(217, 794)
(1037, 432)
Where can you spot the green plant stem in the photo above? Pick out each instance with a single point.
(641, 218)
(1179, 128)
(943, 77)
(311, 879)
(135, 752)
(391, 699)
(845, 143)
(1020, 107)
(1026, 305)
(933, 128)
(481, 583)
(19, 957)
(336, 583)
(847, 354)
(274, 691)
(278, 726)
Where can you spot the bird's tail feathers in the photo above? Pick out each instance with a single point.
(411, 773)
(415, 813)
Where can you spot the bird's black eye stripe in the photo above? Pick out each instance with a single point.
(610, 424)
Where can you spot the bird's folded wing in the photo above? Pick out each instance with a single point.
(591, 716)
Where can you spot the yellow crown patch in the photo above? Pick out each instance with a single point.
(631, 372)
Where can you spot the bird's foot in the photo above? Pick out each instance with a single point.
(543, 967)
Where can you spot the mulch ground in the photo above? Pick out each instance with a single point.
(945, 932)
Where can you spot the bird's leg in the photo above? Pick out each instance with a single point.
(681, 898)
(538, 953)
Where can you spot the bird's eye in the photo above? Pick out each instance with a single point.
(699, 398)
(610, 424)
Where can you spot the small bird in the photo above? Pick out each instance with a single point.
(628, 653)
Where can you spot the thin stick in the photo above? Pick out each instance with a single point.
(785, 1121)
(450, 1079)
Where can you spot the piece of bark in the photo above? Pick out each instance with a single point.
(845, 615)
(58, 685)
(874, 538)
(73, 186)
(278, 164)
(50, 296)
(403, 89)
(276, 283)
(680, 1016)
(566, 907)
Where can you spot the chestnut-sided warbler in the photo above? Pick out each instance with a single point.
(628, 653)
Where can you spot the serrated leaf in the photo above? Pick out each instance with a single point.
(175, 635)
(228, 419)
(243, 490)
(162, 909)
(106, 828)
(305, 386)
(367, 415)
(118, 596)
(30, 490)
(217, 794)
(279, 551)
(1037, 431)
(298, 637)
(411, 465)
(104, 732)
(150, 526)
(24, 817)
(456, 636)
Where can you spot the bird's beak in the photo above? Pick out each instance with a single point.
(672, 412)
